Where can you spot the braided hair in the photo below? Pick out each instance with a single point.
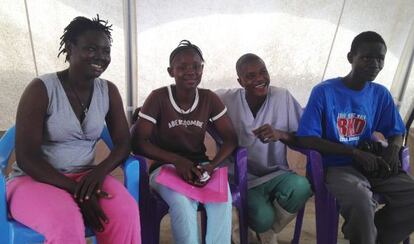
(184, 45)
(80, 25)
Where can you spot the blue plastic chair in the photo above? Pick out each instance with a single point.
(11, 231)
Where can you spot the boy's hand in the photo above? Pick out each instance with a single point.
(266, 133)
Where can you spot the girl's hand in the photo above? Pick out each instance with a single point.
(206, 167)
(185, 168)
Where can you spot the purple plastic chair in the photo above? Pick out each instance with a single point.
(326, 207)
(153, 208)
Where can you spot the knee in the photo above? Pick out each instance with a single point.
(302, 189)
(261, 219)
(124, 211)
(181, 207)
(359, 204)
(65, 226)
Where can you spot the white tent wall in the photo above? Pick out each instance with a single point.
(47, 19)
(294, 38)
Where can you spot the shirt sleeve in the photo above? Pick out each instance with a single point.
(218, 108)
(151, 109)
(389, 119)
(294, 112)
(311, 122)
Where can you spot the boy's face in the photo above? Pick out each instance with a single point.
(367, 61)
(254, 78)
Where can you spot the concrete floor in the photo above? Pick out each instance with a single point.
(308, 234)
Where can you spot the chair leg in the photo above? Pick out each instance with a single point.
(298, 226)
(243, 224)
(93, 239)
(326, 219)
(204, 217)
(407, 241)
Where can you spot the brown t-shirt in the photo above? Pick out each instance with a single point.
(178, 131)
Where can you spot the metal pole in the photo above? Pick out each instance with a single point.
(131, 59)
(402, 74)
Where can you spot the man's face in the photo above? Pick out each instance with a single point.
(253, 76)
(367, 61)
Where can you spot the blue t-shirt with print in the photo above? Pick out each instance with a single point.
(339, 114)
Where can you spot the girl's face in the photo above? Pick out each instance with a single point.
(91, 54)
(187, 69)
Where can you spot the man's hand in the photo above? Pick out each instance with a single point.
(266, 133)
(371, 164)
(365, 160)
(391, 156)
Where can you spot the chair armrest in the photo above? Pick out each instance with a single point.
(405, 159)
(240, 167)
(132, 176)
(3, 203)
(143, 181)
(314, 167)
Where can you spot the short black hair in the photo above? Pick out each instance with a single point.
(366, 37)
(246, 58)
(80, 25)
(184, 45)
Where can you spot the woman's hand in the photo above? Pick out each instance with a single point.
(90, 185)
(93, 214)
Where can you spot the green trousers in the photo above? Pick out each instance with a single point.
(289, 189)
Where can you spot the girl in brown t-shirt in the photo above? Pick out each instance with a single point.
(171, 129)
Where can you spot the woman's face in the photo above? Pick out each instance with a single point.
(187, 69)
(91, 54)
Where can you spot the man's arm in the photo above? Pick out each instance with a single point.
(266, 133)
(368, 161)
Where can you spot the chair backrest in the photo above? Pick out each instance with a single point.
(7, 143)
(408, 125)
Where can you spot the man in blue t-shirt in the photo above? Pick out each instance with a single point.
(341, 115)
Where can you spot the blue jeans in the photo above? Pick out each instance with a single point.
(183, 213)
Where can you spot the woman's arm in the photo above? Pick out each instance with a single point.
(29, 134)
